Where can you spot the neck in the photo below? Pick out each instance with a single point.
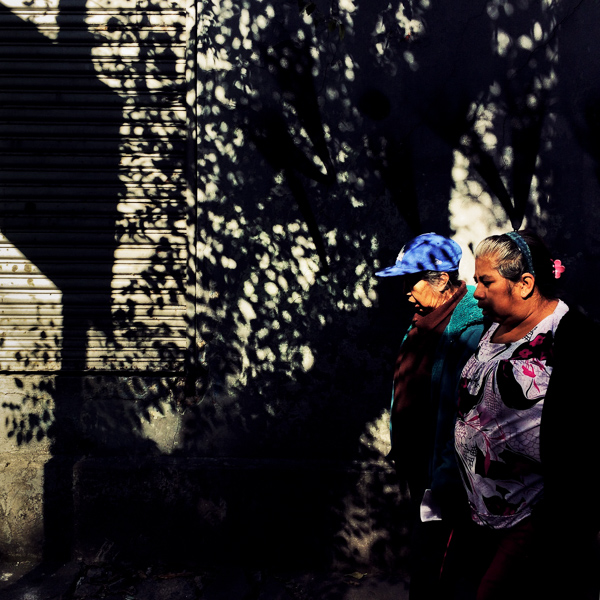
(512, 330)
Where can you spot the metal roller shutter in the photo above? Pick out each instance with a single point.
(93, 229)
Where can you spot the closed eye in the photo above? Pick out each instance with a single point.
(484, 282)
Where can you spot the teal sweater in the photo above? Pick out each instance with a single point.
(458, 342)
(456, 345)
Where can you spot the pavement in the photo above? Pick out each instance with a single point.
(76, 580)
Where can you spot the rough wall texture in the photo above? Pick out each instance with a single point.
(321, 136)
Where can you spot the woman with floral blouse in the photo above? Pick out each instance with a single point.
(525, 436)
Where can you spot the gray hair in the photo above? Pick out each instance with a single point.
(434, 277)
(511, 263)
(509, 260)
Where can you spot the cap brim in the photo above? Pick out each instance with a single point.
(393, 271)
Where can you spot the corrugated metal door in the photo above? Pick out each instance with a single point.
(93, 233)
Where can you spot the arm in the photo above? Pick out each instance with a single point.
(446, 484)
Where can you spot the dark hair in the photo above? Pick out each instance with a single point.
(512, 264)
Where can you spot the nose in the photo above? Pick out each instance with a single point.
(478, 293)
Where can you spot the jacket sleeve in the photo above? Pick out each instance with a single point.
(570, 426)
(570, 453)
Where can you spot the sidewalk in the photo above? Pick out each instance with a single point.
(78, 581)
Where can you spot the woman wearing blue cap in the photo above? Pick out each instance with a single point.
(444, 332)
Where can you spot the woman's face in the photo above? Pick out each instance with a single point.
(494, 293)
(423, 295)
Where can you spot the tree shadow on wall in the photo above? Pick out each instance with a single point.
(311, 184)
(422, 95)
(294, 356)
(470, 78)
(580, 94)
(337, 176)
(55, 213)
(295, 360)
(59, 209)
(77, 254)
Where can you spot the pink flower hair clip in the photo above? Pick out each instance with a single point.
(557, 268)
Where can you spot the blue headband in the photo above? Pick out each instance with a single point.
(524, 248)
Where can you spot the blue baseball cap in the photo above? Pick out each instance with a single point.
(426, 252)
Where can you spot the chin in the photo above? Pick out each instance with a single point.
(490, 315)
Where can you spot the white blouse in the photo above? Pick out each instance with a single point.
(497, 434)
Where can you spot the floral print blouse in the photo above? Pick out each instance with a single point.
(501, 398)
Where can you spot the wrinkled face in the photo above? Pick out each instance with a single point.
(494, 293)
(423, 295)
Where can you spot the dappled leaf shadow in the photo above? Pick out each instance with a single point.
(243, 214)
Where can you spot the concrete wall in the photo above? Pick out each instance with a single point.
(322, 137)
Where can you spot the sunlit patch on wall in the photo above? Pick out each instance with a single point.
(162, 424)
(127, 54)
(473, 212)
(45, 22)
(26, 412)
(410, 27)
(30, 314)
(376, 435)
(308, 359)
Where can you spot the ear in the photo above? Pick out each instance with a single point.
(442, 282)
(527, 285)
